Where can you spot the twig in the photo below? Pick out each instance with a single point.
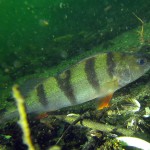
(80, 118)
(141, 33)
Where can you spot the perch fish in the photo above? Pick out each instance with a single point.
(98, 76)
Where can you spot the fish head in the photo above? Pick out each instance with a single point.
(130, 67)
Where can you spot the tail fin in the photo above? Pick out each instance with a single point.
(9, 117)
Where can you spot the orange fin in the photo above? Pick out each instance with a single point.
(42, 116)
(104, 102)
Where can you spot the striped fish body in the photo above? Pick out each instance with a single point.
(94, 77)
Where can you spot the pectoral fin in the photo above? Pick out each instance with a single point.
(104, 102)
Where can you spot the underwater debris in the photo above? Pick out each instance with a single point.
(43, 22)
(135, 142)
(55, 147)
(147, 112)
(78, 119)
(98, 76)
(111, 144)
(141, 33)
(23, 117)
(132, 106)
(99, 126)
(93, 138)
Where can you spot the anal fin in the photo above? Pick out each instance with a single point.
(104, 102)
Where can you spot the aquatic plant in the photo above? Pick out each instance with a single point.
(23, 122)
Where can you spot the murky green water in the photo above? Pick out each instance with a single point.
(36, 36)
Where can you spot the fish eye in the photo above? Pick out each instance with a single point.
(142, 61)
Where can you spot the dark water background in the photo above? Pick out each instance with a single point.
(36, 35)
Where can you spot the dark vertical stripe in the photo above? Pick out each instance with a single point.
(110, 64)
(65, 86)
(91, 74)
(41, 95)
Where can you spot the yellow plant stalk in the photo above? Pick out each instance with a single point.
(141, 33)
(23, 117)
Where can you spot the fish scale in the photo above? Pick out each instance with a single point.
(94, 77)
(98, 76)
